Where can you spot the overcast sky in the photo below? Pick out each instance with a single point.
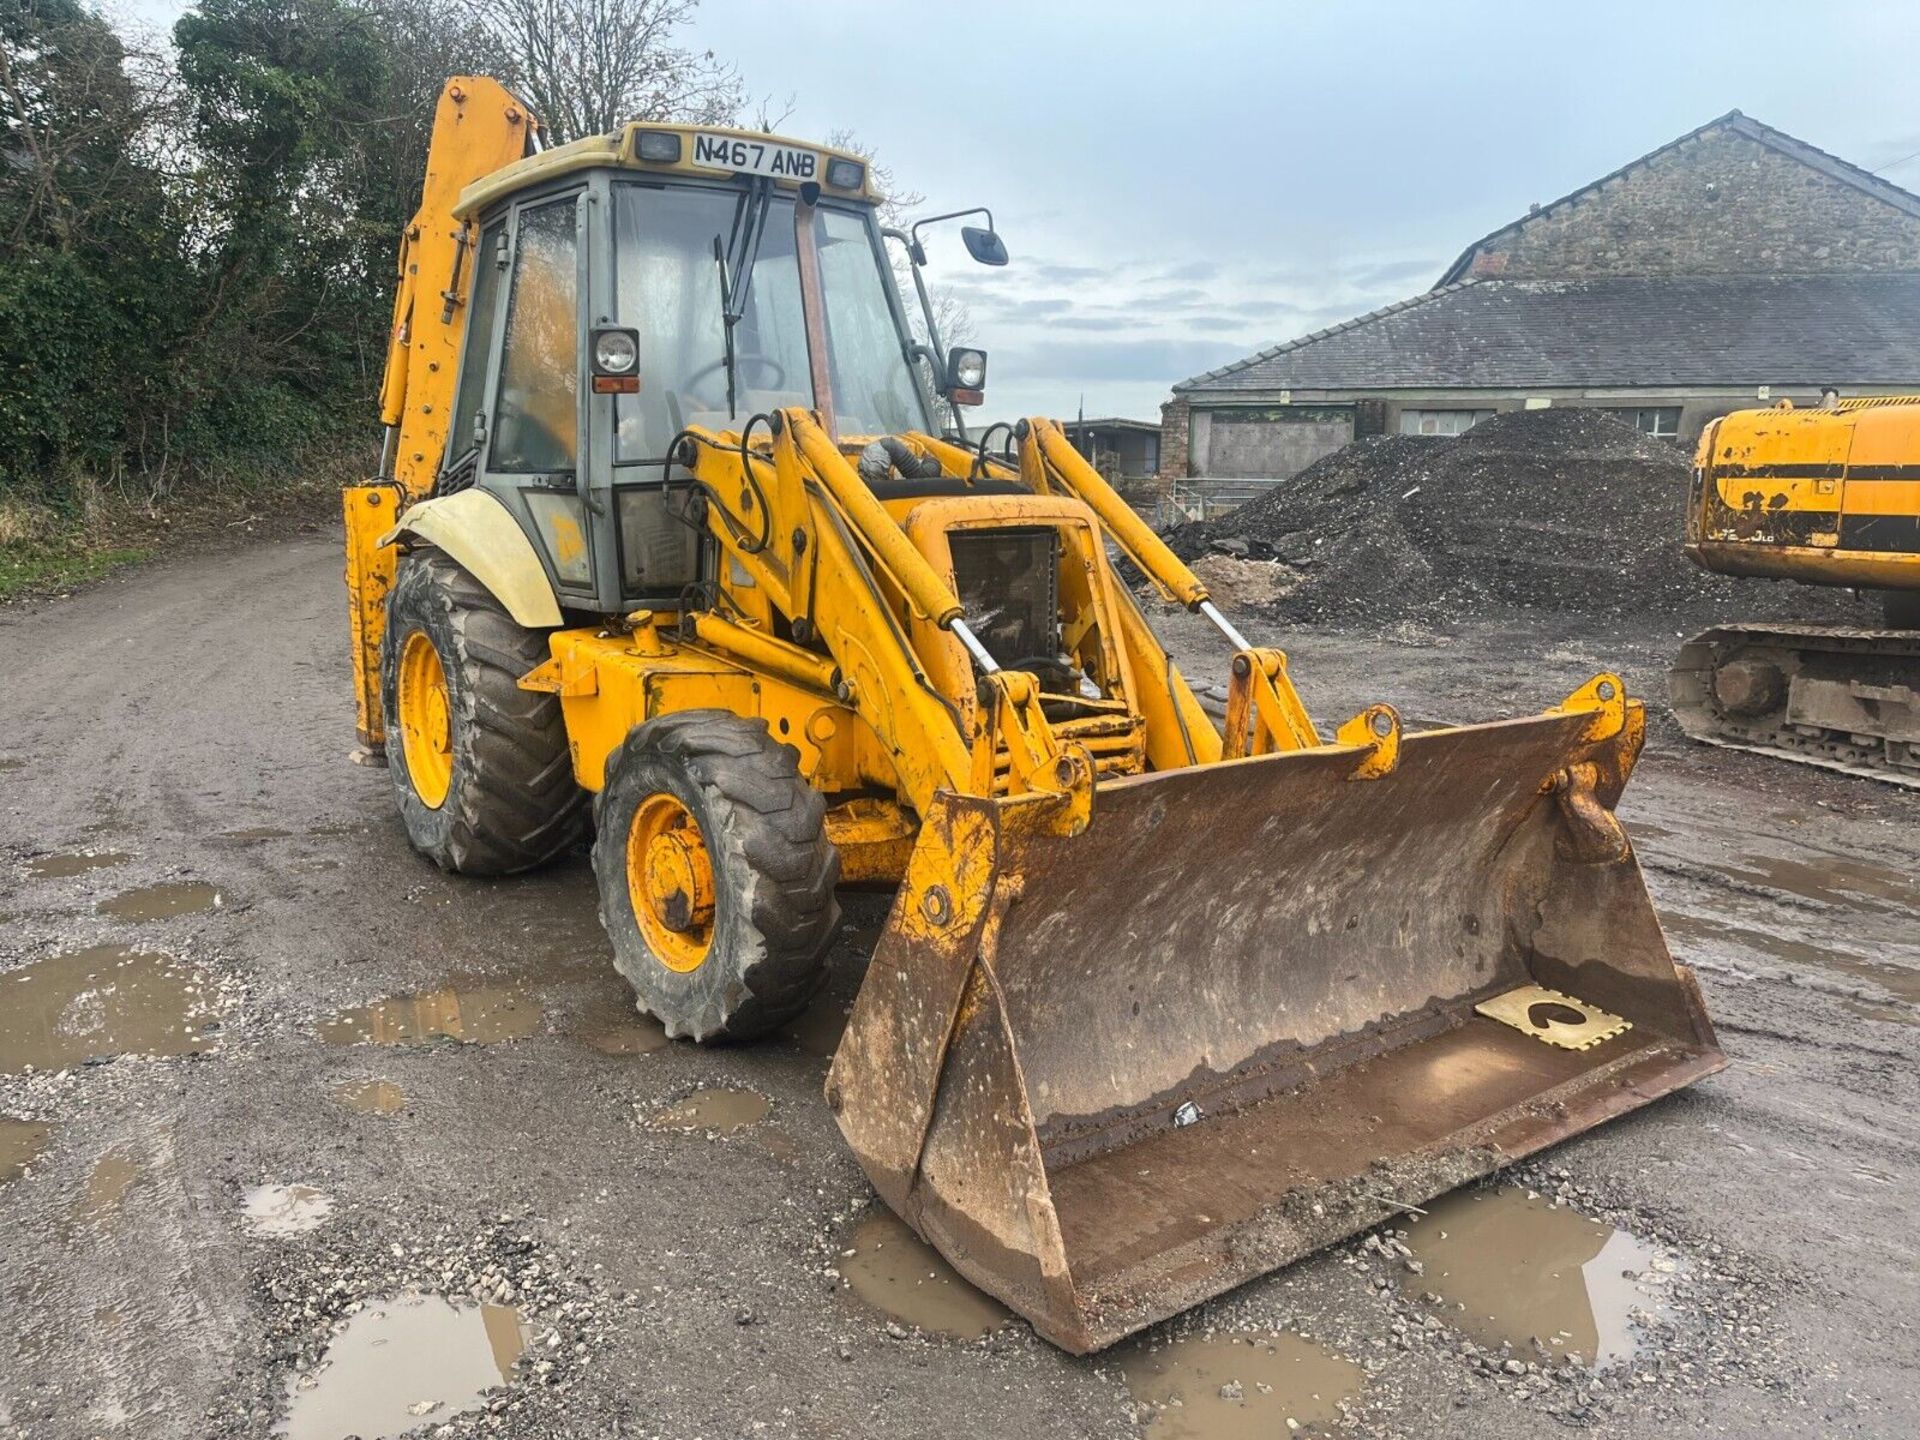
(1181, 184)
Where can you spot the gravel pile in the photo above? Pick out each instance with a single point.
(1558, 510)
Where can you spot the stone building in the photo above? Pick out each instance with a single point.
(1732, 267)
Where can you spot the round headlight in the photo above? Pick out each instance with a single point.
(970, 370)
(614, 353)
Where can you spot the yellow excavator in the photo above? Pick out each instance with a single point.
(669, 551)
(1825, 496)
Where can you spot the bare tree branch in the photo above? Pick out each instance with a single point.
(589, 66)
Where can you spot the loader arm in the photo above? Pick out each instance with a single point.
(1264, 712)
(840, 575)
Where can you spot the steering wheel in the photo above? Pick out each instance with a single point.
(698, 399)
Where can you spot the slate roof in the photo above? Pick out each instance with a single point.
(1615, 330)
(1811, 156)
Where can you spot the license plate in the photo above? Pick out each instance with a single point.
(755, 157)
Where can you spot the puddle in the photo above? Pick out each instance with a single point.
(480, 1013)
(403, 1363)
(162, 902)
(722, 1110)
(253, 834)
(818, 1028)
(640, 1035)
(21, 1142)
(371, 1097)
(1237, 1387)
(1899, 980)
(112, 1176)
(899, 1274)
(53, 867)
(1530, 1274)
(1829, 880)
(283, 1210)
(104, 1001)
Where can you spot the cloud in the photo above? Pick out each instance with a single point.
(1164, 361)
(1031, 309)
(1268, 307)
(1192, 270)
(1392, 272)
(1215, 324)
(1178, 299)
(1055, 274)
(1094, 322)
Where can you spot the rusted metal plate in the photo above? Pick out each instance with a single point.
(1244, 992)
(1552, 1018)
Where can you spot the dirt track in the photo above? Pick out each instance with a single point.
(195, 718)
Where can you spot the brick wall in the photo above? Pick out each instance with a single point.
(1174, 419)
(1721, 204)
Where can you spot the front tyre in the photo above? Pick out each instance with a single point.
(716, 875)
(480, 767)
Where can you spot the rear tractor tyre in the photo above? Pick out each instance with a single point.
(716, 875)
(480, 767)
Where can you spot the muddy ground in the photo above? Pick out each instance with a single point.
(681, 1272)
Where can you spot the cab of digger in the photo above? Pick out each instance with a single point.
(618, 299)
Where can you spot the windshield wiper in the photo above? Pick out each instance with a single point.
(736, 261)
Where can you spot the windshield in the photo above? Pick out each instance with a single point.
(873, 387)
(667, 286)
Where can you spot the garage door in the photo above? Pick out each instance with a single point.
(1271, 444)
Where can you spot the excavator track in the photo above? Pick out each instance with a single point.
(1845, 700)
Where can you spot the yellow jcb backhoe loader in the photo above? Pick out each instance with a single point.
(1159, 1006)
(1827, 496)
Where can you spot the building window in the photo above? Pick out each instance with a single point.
(1660, 421)
(1440, 422)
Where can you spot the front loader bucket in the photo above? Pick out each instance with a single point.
(1113, 1073)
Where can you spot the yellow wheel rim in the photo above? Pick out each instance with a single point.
(426, 721)
(670, 881)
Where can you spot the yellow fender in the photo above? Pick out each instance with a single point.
(481, 534)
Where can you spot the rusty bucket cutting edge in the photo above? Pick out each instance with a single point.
(1112, 1074)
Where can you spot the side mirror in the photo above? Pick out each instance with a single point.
(984, 245)
(966, 375)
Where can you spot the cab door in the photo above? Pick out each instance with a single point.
(528, 436)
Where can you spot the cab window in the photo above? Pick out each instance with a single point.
(874, 391)
(537, 412)
(482, 303)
